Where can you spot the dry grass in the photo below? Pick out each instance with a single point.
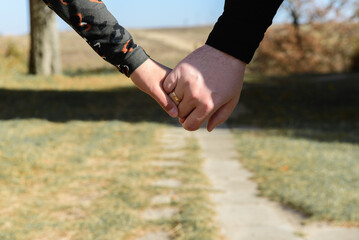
(304, 152)
(320, 179)
(62, 180)
(167, 46)
(92, 180)
(75, 151)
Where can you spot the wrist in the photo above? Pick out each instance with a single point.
(141, 70)
(147, 73)
(219, 54)
(149, 69)
(132, 61)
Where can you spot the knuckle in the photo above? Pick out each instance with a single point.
(168, 86)
(208, 107)
(184, 67)
(196, 96)
(189, 73)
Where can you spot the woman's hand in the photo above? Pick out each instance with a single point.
(149, 78)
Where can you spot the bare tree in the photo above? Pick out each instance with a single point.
(356, 11)
(310, 11)
(44, 51)
(295, 9)
(316, 11)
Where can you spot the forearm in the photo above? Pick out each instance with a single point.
(242, 26)
(92, 20)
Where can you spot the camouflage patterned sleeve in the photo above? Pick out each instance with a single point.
(92, 20)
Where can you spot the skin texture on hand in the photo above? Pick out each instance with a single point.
(149, 78)
(209, 82)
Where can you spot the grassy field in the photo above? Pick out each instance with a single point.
(300, 139)
(76, 153)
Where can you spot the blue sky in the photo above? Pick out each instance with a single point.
(14, 17)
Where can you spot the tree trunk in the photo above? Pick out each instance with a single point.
(44, 51)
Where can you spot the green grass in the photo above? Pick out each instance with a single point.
(304, 149)
(318, 178)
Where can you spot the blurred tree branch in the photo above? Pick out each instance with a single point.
(311, 11)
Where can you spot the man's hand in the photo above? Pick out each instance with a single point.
(149, 78)
(209, 83)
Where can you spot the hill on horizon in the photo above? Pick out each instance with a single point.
(165, 45)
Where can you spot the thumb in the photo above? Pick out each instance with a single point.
(149, 78)
(164, 101)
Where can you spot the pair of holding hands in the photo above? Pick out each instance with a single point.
(208, 82)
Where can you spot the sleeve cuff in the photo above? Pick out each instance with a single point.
(132, 61)
(237, 39)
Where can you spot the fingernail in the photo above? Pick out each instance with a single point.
(173, 112)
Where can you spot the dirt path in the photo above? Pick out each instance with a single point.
(244, 215)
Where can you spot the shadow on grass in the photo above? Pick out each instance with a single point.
(324, 107)
(87, 72)
(319, 107)
(125, 104)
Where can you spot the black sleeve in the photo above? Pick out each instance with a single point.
(242, 26)
(92, 20)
